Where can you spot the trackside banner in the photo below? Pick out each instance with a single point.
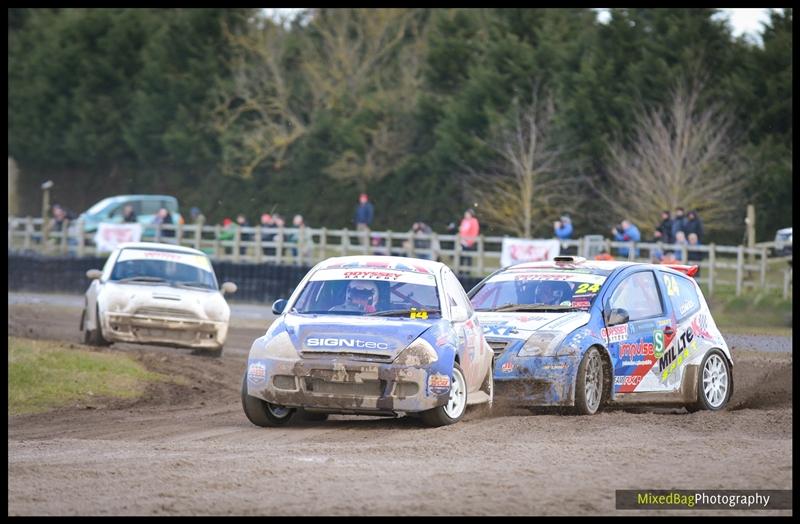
(516, 250)
(109, 236)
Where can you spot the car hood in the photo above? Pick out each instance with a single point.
(167, 301)
(383, 337)
(520, 326)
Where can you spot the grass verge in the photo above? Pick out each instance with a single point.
(762, 312)
(45, 375)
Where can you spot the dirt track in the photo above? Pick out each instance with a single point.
(190, 450)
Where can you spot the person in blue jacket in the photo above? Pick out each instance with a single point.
(626, 232)
(563, 227)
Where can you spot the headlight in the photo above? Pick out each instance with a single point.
(418, 353)
(215, 309)
(542, 343)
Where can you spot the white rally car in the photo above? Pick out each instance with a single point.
(158, 294)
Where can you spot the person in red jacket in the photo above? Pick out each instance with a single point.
(469, 230)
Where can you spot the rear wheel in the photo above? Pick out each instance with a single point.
(589, 383)
(714, 383)
(456, 405)
(263, 413)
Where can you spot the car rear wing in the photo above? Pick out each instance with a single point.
(687, 270)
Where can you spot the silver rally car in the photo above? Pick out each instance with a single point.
(160, 294)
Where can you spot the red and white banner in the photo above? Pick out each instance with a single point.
(516, 250)
(109, 235)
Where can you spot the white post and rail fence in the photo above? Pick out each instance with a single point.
(760, 267)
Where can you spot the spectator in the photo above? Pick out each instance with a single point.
(680, 240)
(678, 222)
(626, 232)
(563, 227)
(163, 217)
(303, 239)
(694, 255)
(197, 216)
(663, 232)
(267, 233)
(669, 258)
(241, 221)
(469, 230)
(364, 215)
(59, 217)
(693, 225)
(129, 215)
(423, 230)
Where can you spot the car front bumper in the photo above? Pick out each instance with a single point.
(535, 380)
(183, 332)
(343, 385)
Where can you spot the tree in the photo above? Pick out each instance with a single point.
(526, 183)
(682, 155)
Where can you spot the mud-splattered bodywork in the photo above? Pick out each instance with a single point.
(365, 365)
(153, 313)
(652, 360)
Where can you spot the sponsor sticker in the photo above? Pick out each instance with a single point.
(418, 314)
(615, 333)
(438, 383)
(256, 372)
(387, 275)
(627, 380)
(508, 367)
(658, 343)
(342, 343)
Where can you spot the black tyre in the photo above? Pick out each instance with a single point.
(589, 383)
(262, 413)
(714, 383)
(456, 405)
(213, 352)
(94, 337)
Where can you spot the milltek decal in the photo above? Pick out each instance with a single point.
(345, 343)
(615, 333)
(675, 356)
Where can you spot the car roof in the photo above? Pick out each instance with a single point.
(158, 245)
(603, 265)
(413, 264)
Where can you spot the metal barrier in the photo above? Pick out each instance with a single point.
(739, 266)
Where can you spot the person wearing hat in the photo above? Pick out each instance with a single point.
(363, 216)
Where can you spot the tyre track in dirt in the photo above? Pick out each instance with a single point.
(188, 449)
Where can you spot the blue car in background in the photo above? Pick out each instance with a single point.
(583, 334)
(145, 206)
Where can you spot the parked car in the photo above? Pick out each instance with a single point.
(783, 243)
(370, 335)
(161, 294)
(582, 334)
(145, 206)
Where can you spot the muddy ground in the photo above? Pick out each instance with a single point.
(188, 449)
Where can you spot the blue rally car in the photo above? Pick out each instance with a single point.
(370, 336)
(582, 334)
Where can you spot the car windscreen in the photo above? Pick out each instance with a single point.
(369, 292)
(164, 267)
(538, 289)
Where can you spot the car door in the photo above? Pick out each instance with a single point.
(631, 344)
(472, 355)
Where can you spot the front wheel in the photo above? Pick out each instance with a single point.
(94, 337)
(456, 405)
(714, 383)
(263, 413)
(589, 383)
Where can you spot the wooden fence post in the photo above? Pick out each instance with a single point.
(26, 240)
(323, 243)
(217, 242)
(259, 249)
(279, 247)
(65, 236)
(739, 269)
(712, 259)
(81, 238)
(345, 242)
(237, 239)
(480, 255)
(763, 267)
(457, 258)
(198, 234)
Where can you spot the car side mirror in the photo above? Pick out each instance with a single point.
(459, 313)
(279, 305)
(228, 288)
(616, 316)
(94, 274)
